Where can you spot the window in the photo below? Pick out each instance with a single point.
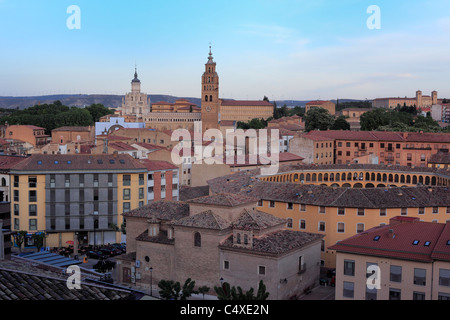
(340, 227)
(360, 211)
(32, 196)
(16, 224)
(290, 206)
(226, 265)
(150, 189)
(302, 207)
(33, 224)
(16, 181)
(420, 276)
(260, 203)
(404, 212)
(150, 177)
(289, 222)
(302, 224)
(52, 181)
(126, 206)
(395, 274)
(422, 210)
(95, 180)
(272, 204)
(126, 180)
(32, 182)
(67, 180)
(435, 210)
(341, 211)
(418, 295)
(197, 239)
(141, 179)
(322, 226)
(126, 194)
(348, 289)
(394, 294)
(360, 228)
(444, 277)
(16, 195)
(349, 267)
(32, 210)
(81, 180)
(382, 212)
(16, 209)
(322, 209)
(261, 270)
(141, 193)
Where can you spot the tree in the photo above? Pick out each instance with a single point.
(341, 124)
(122, 228)
(98, 110)
(204, 290)
(225, 292)
(252, 124)
(171, 290)
(38, 240)
(20, 238)
(318, 119)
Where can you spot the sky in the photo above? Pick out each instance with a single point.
(284, 49)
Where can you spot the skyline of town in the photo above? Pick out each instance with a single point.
(283, 50)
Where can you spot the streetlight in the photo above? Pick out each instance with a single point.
(151, 282)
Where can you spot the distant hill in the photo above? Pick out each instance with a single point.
(113, 101)
(80, 100)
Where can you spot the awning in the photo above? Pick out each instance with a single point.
(52, 259)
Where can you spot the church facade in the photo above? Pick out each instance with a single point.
(135, 103)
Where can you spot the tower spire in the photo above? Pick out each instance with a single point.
(210, 58)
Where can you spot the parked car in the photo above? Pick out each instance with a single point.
(96, 255)
(104, 265)
(120, 247)
(110, 251)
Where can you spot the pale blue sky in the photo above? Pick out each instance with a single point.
(288, 49)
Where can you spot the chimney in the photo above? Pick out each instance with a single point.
(391, 234)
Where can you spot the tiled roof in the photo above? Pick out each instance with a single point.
(45, 162)
(121, 146)
(161, 209)
(245, 103)
(7, 162)
(401, 239)
(156, 165)
(224, 199)
(188, 193)
(233, 183)
(204, 220)
(317, 102)
(382, 136)
(149, 146)
(406, 197)
(256, 220)
(75, 129)
(440, 157)
(275, 243)
(19, 283)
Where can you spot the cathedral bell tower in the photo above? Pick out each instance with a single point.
(210, 96)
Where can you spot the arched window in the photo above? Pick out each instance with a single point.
(197, 239)
(245, 239)
(238, 238)
(206, 98)
(210, 98)
(3, 182)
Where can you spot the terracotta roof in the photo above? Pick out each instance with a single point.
(149, 146)
(245, 103)
(121, 146)
(233, 183)
(204, 220)
(408, 239)
(46, 162)
(188, 193)
(7, 162)
(382, 136)
(275, 243)
(19, 283)
(440, 158)
(224, 199)
(156, 165)
(406, 197)
(317, 102)
(256, 220)
(74, 128)
(161, 210)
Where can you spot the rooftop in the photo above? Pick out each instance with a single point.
(46, 162)
(224, 199)
(407, 239)
(256, 220)
(204, 220)
(239, 103)
(161, 210)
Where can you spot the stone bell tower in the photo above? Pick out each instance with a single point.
(210, 96)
